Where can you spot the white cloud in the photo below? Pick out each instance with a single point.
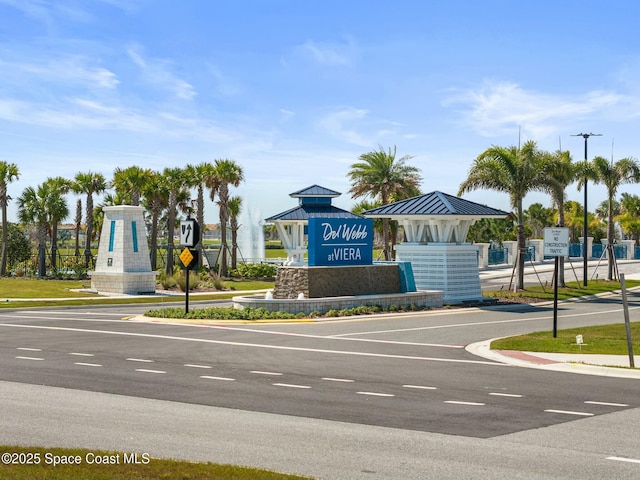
(498, 108)
(158, 72)
(340, 124)
(328, 54)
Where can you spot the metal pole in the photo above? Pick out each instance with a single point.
(186, 293)
(627, 323)
(555, 298)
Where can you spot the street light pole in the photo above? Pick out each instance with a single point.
(586, 228)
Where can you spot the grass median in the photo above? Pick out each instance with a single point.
(37, 463)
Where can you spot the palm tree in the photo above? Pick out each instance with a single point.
(558, 173)
(226, 173)
(155, 199)
(235, 207)
(197, 175)
(33, 210)
(78, 225)
(381, 176)
(89, 183)
(612, 175)
(629, 217)
(57, 210)
(129, 183)
(513, 170)
(174, 180)
(8, 173)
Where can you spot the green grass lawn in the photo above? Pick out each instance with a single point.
(147, 469)
(34, 288)
(605, 340)
(573, 290)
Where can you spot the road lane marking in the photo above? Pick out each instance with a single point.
(82, 354)
(144, 370)
(27, 349)
(458, 402)
(259, 345)
(87, 364)
(607, 404)
(191, 365)
(376, 394)
(420, 387)
(141, 360)
(290, 385)
(331, 379)
(623, 459)
(208, 377)
(511, 395)
(260, 372)
(29, 358)
(569, 412)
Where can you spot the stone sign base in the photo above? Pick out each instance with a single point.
(318, 282)
(130, 283)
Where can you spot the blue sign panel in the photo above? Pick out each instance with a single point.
(340, 241)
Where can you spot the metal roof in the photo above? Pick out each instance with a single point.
(303, 212)
(434, 203)
(315, 191)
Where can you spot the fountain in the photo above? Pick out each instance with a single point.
(251, 236)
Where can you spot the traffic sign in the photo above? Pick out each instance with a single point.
(186, 257)
(556, 242)
(189, 233)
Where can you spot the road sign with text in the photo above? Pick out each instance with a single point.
(556, 242)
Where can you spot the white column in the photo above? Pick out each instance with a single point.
(630, 244)
(512, 248)
(483, 254)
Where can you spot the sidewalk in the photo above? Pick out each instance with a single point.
(586, 364)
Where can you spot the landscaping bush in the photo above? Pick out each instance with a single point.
(181, 280)
(255, 270)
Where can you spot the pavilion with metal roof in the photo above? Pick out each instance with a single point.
(314, 201)
(436, 225)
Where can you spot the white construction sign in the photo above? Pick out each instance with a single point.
(556, 242)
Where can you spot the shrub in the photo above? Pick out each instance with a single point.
(181, 280)
(255, 270)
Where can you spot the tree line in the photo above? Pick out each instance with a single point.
(166, 192)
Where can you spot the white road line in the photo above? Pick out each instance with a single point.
(420, 387)
(87, 364)
(29, 358)
(257, 345)
(289, 385)
(141, 360)
(26, 349)
(330, 379)
(511, 395)
(376, 394)
(623, 459)
(457, 402)
(143, 370)
(259, 372)
(82, 354)
(191, 365)
(607, 404)
(218, 378)
(569, 412)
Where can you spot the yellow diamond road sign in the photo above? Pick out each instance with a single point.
(186, 257)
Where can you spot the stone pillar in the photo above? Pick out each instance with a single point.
(631, 245)
(123, 264)
(538, 243)
(483, 254)
(589, 246)
(512, 248)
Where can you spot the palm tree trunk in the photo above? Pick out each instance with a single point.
(155, 213)
(171, 224)
(610, 238)
(5, 236)
(54, 247)
(521, 246)
(385, 238)
(89, 222)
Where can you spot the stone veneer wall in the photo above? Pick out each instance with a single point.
(318, 282)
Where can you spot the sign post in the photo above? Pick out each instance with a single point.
(556, 244)
(189, 238)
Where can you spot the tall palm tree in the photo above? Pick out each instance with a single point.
(89, 183)
(512, 170)
(612, 174)
(78, 225)
(629, 217)
(174, 180)
(558, 173)
(8, 173)
(226, 173)
(33, 210)
(383, 177)
(155, 200)
(197, 175)
(129, 183)
(57, 210)
(235, 207)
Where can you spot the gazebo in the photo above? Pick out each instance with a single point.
(314, 201)
(436, 226)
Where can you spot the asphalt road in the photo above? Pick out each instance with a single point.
(375, 397)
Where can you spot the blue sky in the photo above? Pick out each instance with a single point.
(294, 91)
